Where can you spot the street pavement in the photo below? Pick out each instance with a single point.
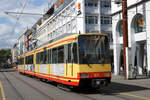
(14, 86)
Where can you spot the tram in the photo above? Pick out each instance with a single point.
(78, 60)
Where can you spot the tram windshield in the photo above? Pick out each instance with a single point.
(93, 49)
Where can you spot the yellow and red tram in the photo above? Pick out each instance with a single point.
(76, 60)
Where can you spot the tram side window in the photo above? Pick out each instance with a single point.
(61, 54)
(45, 56)
(69, 53)
(21, 61)
(37, 58)
(26, 62)
(42, 58)
(74, 53)
(49, 56)
(30, 60)
(54, 56)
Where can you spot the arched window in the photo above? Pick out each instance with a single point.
(139, 23)
(120, 28)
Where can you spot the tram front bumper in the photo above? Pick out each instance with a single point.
(97, 83)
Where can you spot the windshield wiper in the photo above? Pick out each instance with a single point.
(87, 61)
(89, 65)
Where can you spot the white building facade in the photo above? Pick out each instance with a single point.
(14, 53)
(74, 17)
(138, 37)
(21, 45)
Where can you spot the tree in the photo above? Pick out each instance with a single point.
(5, 54)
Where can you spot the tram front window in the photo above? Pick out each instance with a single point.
(93, 49)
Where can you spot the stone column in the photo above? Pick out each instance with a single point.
(117, 50)
(148, 37)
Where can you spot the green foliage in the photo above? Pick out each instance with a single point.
(5, 54)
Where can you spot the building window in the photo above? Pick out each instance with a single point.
(91, 4)
(120, 28)
(105, 4)
(91, 20)
(96, 19)
(106, 20)
(95, 5)
(139, 23)
(51, 35)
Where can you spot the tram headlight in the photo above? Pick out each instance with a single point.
(84, 75)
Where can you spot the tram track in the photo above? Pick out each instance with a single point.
(13, 87)
(51, 98)
(86, 94)
(81, 93)
(33, 87)
(87, 97)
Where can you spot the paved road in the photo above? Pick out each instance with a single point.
(14, 86)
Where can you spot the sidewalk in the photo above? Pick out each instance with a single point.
(117, 77)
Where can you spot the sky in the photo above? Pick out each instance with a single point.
(12, 26)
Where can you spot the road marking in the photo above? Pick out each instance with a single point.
(2, 91)
(131, 95)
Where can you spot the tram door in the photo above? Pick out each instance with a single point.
(67, 59)
(74, 56)
(70, 58)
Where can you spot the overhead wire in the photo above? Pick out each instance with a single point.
(17, 19)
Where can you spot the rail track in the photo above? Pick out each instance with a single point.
(86, 94)
(51, 98)
(81, 93)
(33, 87)
(13, 87)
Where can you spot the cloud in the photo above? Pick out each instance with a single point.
(10, 31)
(4, 30)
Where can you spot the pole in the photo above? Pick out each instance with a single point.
(6, 12)
(125, 32)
